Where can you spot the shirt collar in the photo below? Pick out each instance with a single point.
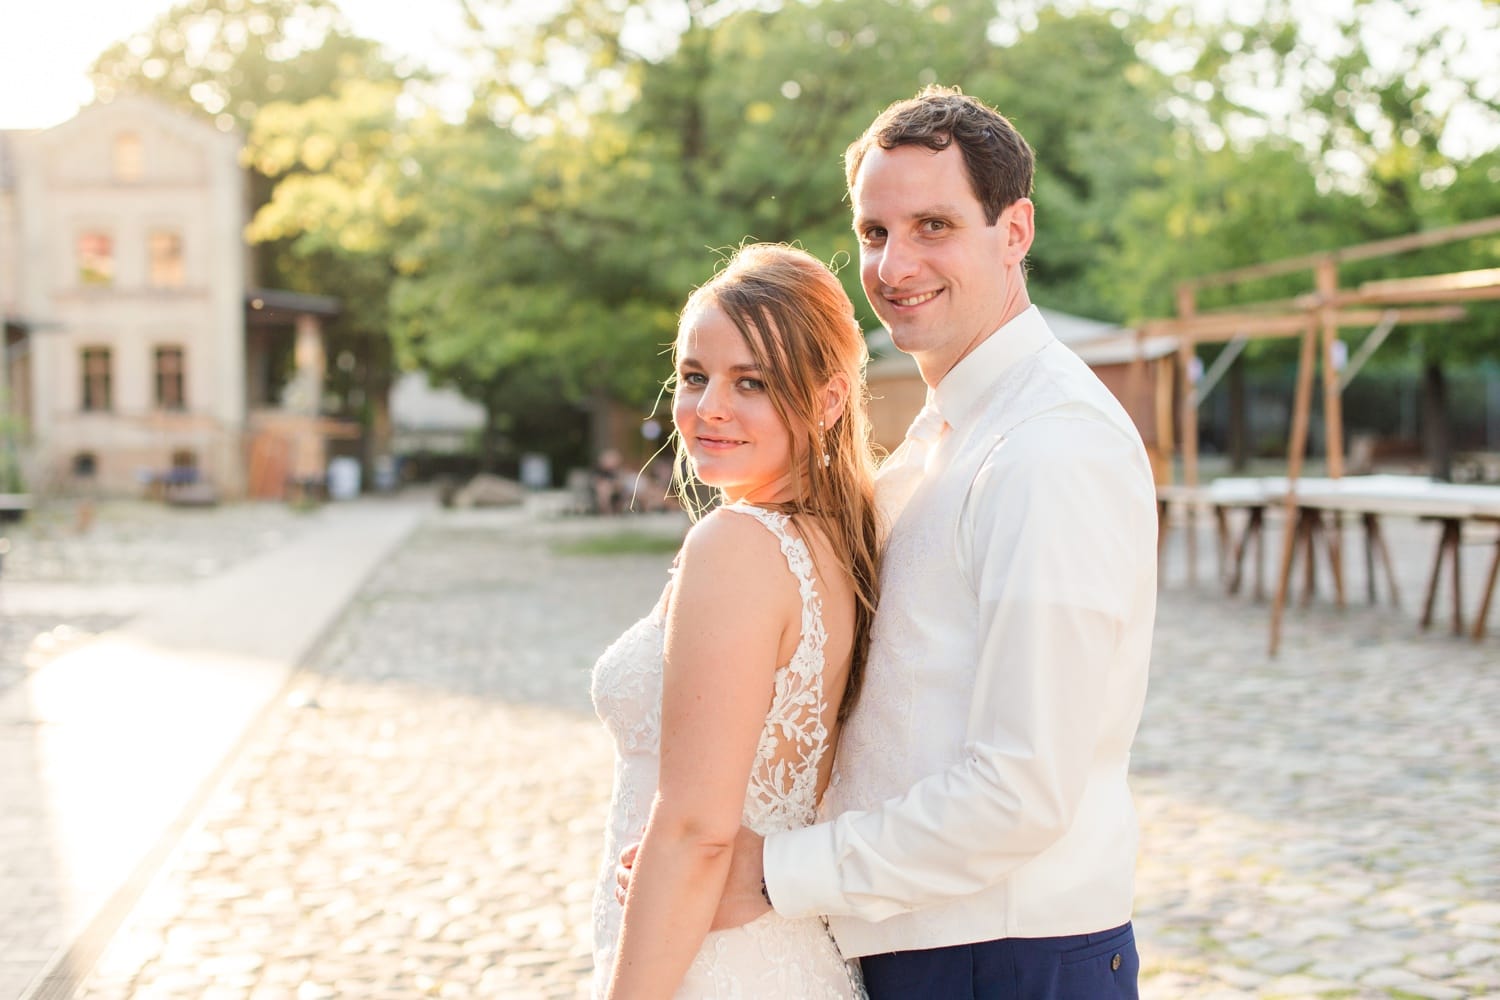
(958, 395)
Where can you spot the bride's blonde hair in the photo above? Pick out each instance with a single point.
(799, 325)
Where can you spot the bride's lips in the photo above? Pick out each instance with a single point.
(718, 444)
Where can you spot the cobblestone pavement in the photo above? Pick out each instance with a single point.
(422, 817)
(76, 568)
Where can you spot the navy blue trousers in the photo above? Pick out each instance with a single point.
(1101, 966)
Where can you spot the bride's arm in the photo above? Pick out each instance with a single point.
(732, 603)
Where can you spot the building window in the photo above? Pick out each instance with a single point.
(96, 387)
(169, 379)
(128, 163)
(165, 248)
(96, 259)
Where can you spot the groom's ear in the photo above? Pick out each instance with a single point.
(1019, 220)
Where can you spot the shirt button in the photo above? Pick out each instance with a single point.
(1114, 963)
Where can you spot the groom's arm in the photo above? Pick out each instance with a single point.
(744, 897)
(1055, 537)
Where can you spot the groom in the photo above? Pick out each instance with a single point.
(984, 839)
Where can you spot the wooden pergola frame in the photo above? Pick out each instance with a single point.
(1315, 317)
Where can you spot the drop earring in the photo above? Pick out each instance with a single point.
(823, 443)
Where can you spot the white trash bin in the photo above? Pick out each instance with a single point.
(536, 471)
(343, 478)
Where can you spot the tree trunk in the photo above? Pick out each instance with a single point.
(489, 440)
(1437, 431)
(1239, 424)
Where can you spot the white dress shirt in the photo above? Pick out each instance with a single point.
(980, 786)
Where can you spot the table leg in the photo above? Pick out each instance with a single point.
(1489, 593)
(1191, 521)
(1446, 540)
(1378, 537)
(1458, 597)
(1237, 554)
(1258, 515)
(1311, 530)
(1221, 527)
(1162, 524)
(1335, 529)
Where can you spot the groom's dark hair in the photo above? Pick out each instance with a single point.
(999, 162)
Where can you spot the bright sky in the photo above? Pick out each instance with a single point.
(47, 46)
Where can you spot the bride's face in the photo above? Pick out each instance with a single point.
(723, 410)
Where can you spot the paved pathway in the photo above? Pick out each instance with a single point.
(78, 568)
(421, 816)
(106, 746)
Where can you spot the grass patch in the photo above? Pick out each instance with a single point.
(620, 543)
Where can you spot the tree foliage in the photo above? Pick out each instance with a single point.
(337, 210)
(581, 243)
(536, 253)
(230, 58)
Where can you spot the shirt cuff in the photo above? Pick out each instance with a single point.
(801, 876)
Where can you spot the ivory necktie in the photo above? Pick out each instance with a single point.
(908, 463)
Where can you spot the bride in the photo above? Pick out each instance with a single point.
(725, 702)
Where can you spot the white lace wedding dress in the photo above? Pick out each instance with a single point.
(771, 958)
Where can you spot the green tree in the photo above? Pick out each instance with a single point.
(336, 216)
(1360, 143)
(230, 58)
(227, 59)
(568, 249)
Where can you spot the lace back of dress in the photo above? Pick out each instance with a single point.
(783, 790)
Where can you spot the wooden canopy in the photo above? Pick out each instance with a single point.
(1317, 317)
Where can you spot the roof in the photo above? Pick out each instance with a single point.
(1073, 330)
(274, 306)
(1123, 346)
(1097, 342)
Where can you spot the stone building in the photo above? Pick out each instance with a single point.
(136, 345)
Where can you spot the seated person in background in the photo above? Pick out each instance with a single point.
(608, 479)
(653, 486)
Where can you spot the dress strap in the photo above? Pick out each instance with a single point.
(798, 559)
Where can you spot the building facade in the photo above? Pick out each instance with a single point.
(123, 273)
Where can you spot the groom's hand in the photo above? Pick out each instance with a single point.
(744, 896)
(743, 900)
(623, 870)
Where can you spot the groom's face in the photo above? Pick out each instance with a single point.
(934, 269)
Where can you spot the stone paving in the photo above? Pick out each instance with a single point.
(76, 568)
(422, 816)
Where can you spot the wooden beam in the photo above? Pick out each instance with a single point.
(1333, 423)
(1361, 251)
(1419, 241)
(1296, 450)
(1187, 306)
(1333, 413)
(1292, 303)
(1166, 394)
(1367, 349)
(1212, 328)
(1462, 286)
